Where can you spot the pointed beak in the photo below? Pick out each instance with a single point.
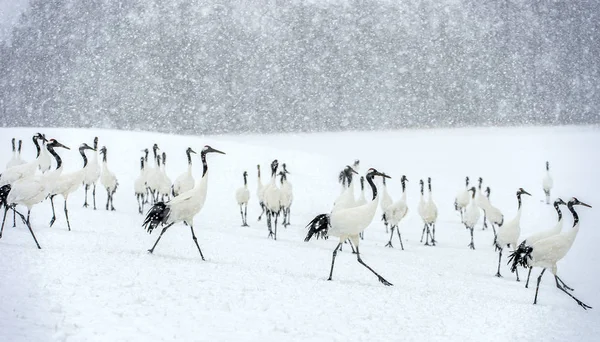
(526, 193)
(61, 145)
(192, 151)
(216, 151)
(353, 171)
(585, 204)
(383, 175)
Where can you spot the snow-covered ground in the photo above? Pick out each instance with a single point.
(97, 282)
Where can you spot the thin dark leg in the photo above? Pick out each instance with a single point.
(29, 226)
(333, 260)
(112, 201)
(107, 198)
(582, 304)
(399, 238)
(4, 219)
(494, 229)
(433, 234)
(246, 215)
(14, 220)
(289, 214)
(94, 195)
(67, 215)
(461, 215)
(381, 279)
(269, 224)
(389, 244)
(537, 287)
(362, 235)
(517, 273)
(242, 214)
(423, 233)
(351, 246)
(276, 217)
(151, 250)
(86, 187)
(484, 221)
(53, 213)
(563, 284)
(528, 275)
(137, 196)
(196, 241)
(472, 244)
(499, 258)
(427, 234)
(262, 207)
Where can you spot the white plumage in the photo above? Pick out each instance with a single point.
(91, 175)
(462, 199)
(471, 216)
(395, 213)
(426, 214)
(272, 198)
(108, 180)
(44, 158)
(260, 193)
(165, 185)
(547, 183)
(139, 186)
(432, 212)
(508, 234)
(16, 155)
(242, 196)
(493, 214)
(185, 181)
(17, 172)
(386, 201)
(153, 176)
(287, 196)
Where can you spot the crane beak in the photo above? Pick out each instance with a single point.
(526, 193)
(585, 204)
(61, 145)
(351, 169)
(210, 149)
(383, 175)
(192, 151)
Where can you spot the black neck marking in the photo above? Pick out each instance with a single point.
(403, 185)
(20, 145)
(575, 216)
(189, 156)
(557, 207)
(245, 179)
(519, 199)
(50, 149)
(37, 147)
(104, 156)
(204, 164)
(362, 183)
(13, 145)
(141, 163)
(373, 187)
(85, 160)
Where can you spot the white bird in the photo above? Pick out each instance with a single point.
(139, 186)
(482, 202)
(547, 252)
(386, 201)
(348, 223)
(287, 195)
(185, 181)
(165, 185)
(33, 190)
(535, 237)
(108, 180)
(17, 172)
(346, 199)
(68, 183)
(153, 176)
(16, 157)
(508, 233)
(547, 183)
(425, 215)
(182, 208)
(362, 200)
(396, 212)
(260, 193)
(493, 214)
(471, 216)
(273, 200)
(91, 175)
(242, 196)
(432, 212)
(43, 156)
(462, 199)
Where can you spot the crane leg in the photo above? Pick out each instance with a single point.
(137, 197)
(499, 258)
(389, 244)
(14, 220)
(351, 246)
(537, 287)
(85, 203)
(29, 226)
(433, 234)
(528, 276)
(151, 250)
(423, 233)
(53, 213)
(196, 241)
(246, 215)
(112, 202)
(275, 235)
(242, 214)
(484, 221)
(289, 211)
(399, 237)
(582, 304)
(262, 207)
(269, 224)
(94, 195)
(517, 273)
(472, 244)
(362, 235)
(3, 220)
(381, 279)
(333, 260)
(67, 215)
(563, 283)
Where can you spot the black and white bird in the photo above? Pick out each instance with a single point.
(165, 184)
(494, 215)
(185, 181)
(348, 223)
(182, 208)
(16, 155)
(273, 201)
(287, 195)
(547, 252)
(462, 199)
(386, 201)
(154, 176)
(108, 180)
(432, 212)
(547, 183)
(346, 199)
(139, 186)
(91, 175)
(242, 196)
(426, 215)
(396, 212)
(17, 172)
(260, 193)
(361, 200)
(32, 190)
(471, 216)
(68, 183)
(482, 202)
(508, 233)
(535, 237)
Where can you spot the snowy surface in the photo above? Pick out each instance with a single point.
(97, 282)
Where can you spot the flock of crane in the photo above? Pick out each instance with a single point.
(30, 183)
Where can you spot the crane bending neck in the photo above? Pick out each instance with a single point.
(373, 187)
(37, 147)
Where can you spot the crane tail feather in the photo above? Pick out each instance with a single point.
(4, 190)
(157, 215)
(318, 227)
(520, 256)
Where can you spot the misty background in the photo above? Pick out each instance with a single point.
(189, 66)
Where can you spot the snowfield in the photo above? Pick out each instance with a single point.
(98, 282)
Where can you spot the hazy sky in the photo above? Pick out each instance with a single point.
(9, 14)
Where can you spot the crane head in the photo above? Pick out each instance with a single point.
(189, 150)
(522, 191)
(95, 143)
(575, 201)
(40, 136)
(208, 149)
(55, 143)
(85, 146)
(404, 179)
(373, 172)
(559, 201)
(103, 150)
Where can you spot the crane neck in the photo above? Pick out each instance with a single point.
(50, 149)
(245, 180)
(204, 164)
(557, 208)
(189, 158)
(85, 160)
(575, 216)
(37, 147)
(142, 164)
(519, 199)
(373, 187)
(403, 186)
(13, 145)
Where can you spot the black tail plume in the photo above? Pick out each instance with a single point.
(521, 256)
(455, 205)
(318, 226)
(158, 214)
(4, 190)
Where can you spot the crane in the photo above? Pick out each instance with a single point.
(139, 186)
(461, 201)
(260, 193)
(471, 216)
(547, 252)
(108, 180)
(547, 183)
(91, 175)
(273, 200)
(348, 223)
(242, 196)
(182, 208)
(287, 195)
(396, 212)
(185, 181)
